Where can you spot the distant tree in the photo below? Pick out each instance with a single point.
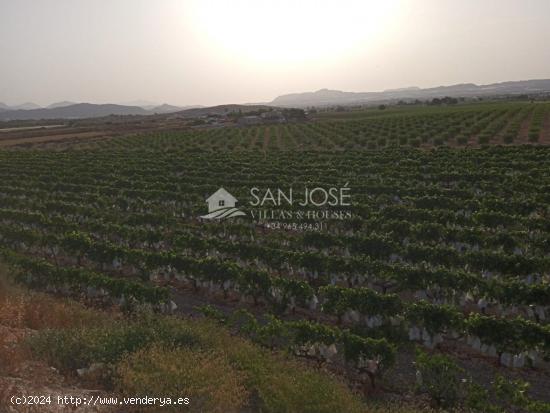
(296, 114)
(449, 100)
(381, 107)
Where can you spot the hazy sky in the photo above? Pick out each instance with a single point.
(212, 52)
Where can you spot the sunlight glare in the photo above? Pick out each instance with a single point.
(286, 31)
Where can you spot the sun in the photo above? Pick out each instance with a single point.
(291, 31)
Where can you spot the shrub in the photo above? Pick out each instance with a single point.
(515, 393)
(508, 139)
(483, 139)
(39, 311)
(511, 395)
(534, 136)
(462, 140)
(20, 308)
(78, 348)
(277, 384)
(206, 378)
(282, 385)
(439, 377)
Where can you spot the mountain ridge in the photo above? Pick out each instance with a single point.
(326, 97)
(322, 97)
(75, 111)
(60, 104)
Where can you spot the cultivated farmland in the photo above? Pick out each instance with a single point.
(447, 244)
(472, 125)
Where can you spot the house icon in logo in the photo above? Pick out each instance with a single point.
(221, 205)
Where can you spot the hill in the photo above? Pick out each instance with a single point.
(326, 97)
(79, 110)
(26, 106)
(61, 104)
(71, 110)
(165, 108)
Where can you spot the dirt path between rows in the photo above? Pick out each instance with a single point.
(49, 138)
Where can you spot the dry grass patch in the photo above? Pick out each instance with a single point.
(206, 378)
(12, 355)
(21, 308)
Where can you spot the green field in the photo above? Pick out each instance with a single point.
(424, 127)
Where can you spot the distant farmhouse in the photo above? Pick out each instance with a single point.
(250, 120)
(273, 116)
